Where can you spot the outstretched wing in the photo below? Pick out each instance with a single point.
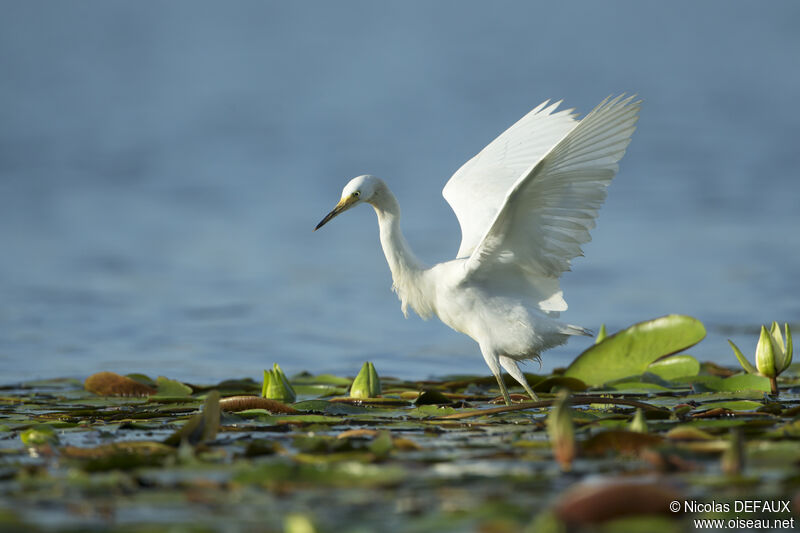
(548, 212)
(477, 191)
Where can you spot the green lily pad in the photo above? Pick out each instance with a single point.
(637, 386)
(677, 366)
(39, 434)
(739, 382)
(560, 382)
(170, 387)
(630, 351)
(733, 405)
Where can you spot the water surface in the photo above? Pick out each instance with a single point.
(162, 166)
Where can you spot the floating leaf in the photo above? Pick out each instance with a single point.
(119, 455)
(560, 382)
(739, 382)
(38, 435)
(432, 397)
(686, 432)
(382, 444)
(172, 388)
(592, 503)
(629, 352)
(620, 441)
(112, 384)
(676, 366)
(733, 405)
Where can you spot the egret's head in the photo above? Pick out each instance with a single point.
(358, 190)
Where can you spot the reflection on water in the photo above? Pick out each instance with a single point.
(161, 170)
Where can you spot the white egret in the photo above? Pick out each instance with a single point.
(525, 205)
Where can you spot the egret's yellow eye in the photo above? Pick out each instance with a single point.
(356, 194)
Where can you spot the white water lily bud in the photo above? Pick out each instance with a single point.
(773, 356)
(765, 354)
(782, 352)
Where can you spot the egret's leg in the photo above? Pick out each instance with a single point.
(493, 361)
(512, 368)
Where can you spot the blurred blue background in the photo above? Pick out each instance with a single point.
(162, 165)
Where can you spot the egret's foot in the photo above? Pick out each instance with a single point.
(531, 393)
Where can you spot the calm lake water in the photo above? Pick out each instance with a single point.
(162, 166)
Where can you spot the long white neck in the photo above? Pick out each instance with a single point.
(407, 271)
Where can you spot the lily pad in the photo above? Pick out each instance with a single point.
(677, 366)
(739, 382)
(630, 351)
(172, 388)
(621, 441)
(733, 405)
(112, 384)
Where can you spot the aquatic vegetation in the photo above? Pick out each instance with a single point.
(433, 455)
(772, 355)
(276, 386)
(367, 384)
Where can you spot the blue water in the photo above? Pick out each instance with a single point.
(162, 166)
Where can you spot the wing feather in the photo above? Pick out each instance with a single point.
(477, 191)
(547, 214)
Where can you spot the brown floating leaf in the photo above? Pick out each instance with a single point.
(119, 455)
(668, 461)
(112, 384)
(619, 441)
(105, 450)
(243, 403)
(593, 503)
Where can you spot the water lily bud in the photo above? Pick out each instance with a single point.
(765, 354)
(367, 383)
(783, 353)
(276, 386)
(772, 355)
(562, 432)
(639, 424)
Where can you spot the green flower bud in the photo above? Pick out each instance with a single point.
(276, 386)
(765, 354)
(367, 383)
(772, 355)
